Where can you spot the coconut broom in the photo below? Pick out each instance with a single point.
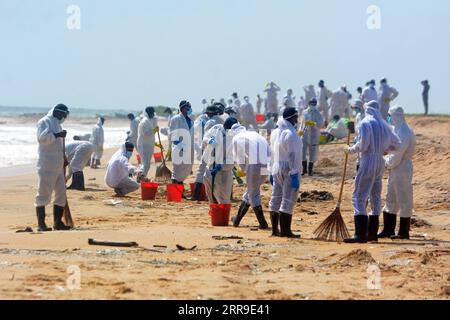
(334, 228)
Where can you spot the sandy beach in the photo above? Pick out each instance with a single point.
(37, 265)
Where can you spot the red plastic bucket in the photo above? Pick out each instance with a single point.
(260, 118)
(149, 190)
(174, 192)
(158, 157)
(220, 214)
(202, 193)
(138, 158)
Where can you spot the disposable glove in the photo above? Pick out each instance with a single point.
(217, 168)
(158, 145)
(310, 123)
(212, 141)
(295, 181)
(240, 173)
(156, 130)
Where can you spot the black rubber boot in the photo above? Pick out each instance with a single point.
(42, 227)
(243, 209)
(285, 224)
(305, 167)
(374, 224)
(310, 169)
(360, 230)
(389, 221)
(57, 217)
(275, 219)
(77, 181)
(403, 232)
(196, 193)
(97, 162)
(259, 212)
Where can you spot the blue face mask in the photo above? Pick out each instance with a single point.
(390, 121)
(189, 113)
(128, 154)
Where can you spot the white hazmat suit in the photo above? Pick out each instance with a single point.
(247, 116)
(311, 133)
(118, 173)
(286, 158)
(78, 155)
(399, 197)
(98, 139)
(323, 95)
(386, 95)
(374, 139)
(339, 104)
(182, 137)
(146, 141)
(50, 163)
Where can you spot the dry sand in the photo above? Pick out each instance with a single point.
(35, 266)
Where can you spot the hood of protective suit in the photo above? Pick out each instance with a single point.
(284, 124)
(397, 115)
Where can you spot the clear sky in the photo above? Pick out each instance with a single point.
(130, 54)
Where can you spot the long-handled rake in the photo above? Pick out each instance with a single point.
(67, 215)
(163, 174)
(334, 228)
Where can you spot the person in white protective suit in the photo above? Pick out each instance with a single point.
(78, 154)
(386, 95)
(182, 137)
(202, 127)
(204, 104)
(97, 139)
(375, 138)
(218, 157)
(288, 99)
(271, 101)
(134, 124)
(339, 103)
(310, 93)
(399, 197)
(251, 153)
(50, 167)
(236, 100)
(323, 95)
(284, 168)
(301, 105)
(337, 129)
(148, 126)
(360, 114)
(369, 93)
(119, 172)
(247, 116)
(259, 103)
(312, 122)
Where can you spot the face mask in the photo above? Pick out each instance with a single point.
(62, 120)
(189, 113)
(390, 121)
(128, 154)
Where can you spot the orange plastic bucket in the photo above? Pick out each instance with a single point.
(149, 190)
(220, 214)
(174, 192)
(202, 196)
(158, 157)
(260, 118)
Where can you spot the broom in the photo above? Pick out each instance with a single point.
(334, 228)
(163, 174)
(67, 215)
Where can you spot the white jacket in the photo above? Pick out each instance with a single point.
(119, 168)
(50, 151)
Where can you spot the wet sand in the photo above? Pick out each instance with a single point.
(35, 266)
